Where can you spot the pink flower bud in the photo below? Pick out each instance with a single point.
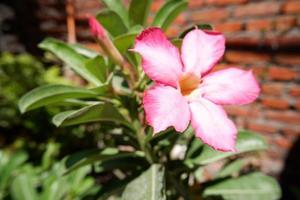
(96, 28)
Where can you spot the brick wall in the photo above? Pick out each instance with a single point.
(261, 35)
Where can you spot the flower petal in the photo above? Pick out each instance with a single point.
(164, 107)
(160, 58)
(230, 86)
(201, 51)
(212, 125)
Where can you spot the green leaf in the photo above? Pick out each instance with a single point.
(195, 148)
(246, 142)
(118, 7)
(113, 187)
(112, 22)
(199, 26)
(22, 188)
(93, 113)
(72, 58)
(251, 187)
(109, 158)
(8, 164)
(231, 168)
(138, 11)
(84, 51)
(169, 11)
(125, 41)
(53, 93)
(79, 157)
(98, 67)
(150, 185)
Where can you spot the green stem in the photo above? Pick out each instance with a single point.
(144, 147)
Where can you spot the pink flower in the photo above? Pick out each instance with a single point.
(185, 90)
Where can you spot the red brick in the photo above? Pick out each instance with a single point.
(295, 91)
(237, 110)
(275, 89)
(284, 23)
(257, 9)
(219, 66)
(210, 15)
(292, 7)
(297, 105)
(289, 117)
(259, 25)
(279, 104)
(87, 4)
(262, 127)
(180, 19)
(283, 142)
(195, 3)
(288, 59)
(292, 131)
(259, 71)
(172, 32)
(254, 111)
(246, 56)
(156, 5)
(228, 26)
(224, 2)
(282, 74)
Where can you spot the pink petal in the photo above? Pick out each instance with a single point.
(202, 50)
(164, 107)
(230, 86)
(212, 125)
(160, 58)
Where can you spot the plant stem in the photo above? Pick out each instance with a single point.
(144, 147)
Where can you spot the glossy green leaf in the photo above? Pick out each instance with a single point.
(231, 168)
(113, 187)
(195, 148)
(138, 11)
(118, 7)
(253, 186)
(109, 158)
(98, 67)
(112, 22)
(170, 10)
(125, 41)
(49, 94)
(22, 188)
(71, 57)
(150, 185)
(199, 26)
(81, 156)
(89, 53)
(93, 113)
(246, 142)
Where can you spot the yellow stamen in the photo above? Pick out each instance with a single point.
(188, 83)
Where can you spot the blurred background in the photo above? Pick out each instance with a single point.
(262, 35)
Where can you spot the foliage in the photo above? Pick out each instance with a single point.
(137, 164)
(21, 180)
(13, 84)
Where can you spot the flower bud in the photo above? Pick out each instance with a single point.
(96, 28)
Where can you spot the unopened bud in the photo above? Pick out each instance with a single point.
(96, 28)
